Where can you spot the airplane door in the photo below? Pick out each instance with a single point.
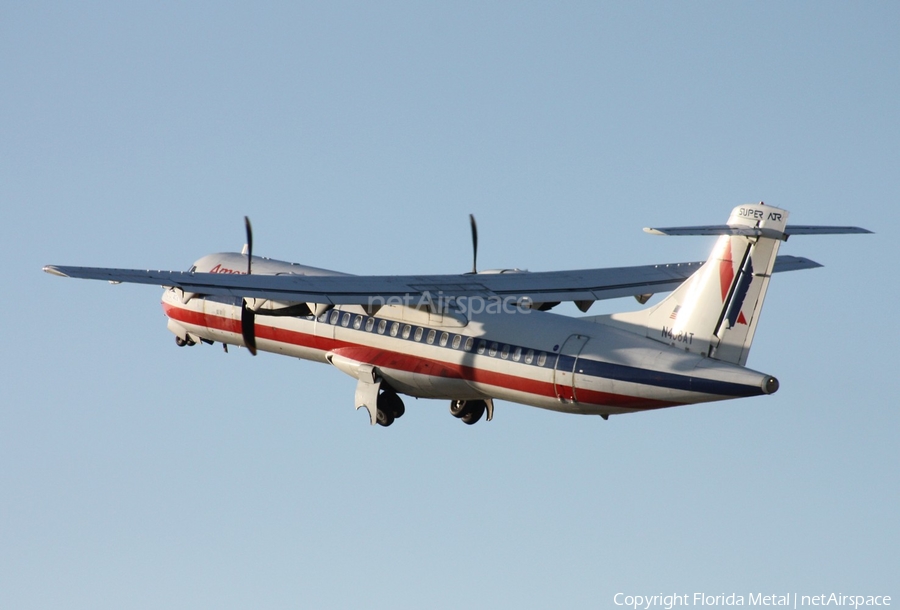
(564, 371)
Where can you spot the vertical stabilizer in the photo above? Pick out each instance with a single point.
(715, 312)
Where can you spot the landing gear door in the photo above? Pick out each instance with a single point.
(564, 371)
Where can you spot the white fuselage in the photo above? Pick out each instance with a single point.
(526, 356)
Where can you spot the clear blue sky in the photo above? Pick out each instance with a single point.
(358, 136)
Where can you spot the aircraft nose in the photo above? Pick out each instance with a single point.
(770, 385)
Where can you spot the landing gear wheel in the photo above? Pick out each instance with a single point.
(470, 411)
(384, 418)
(458, 408)
(389, 402)
(474, 412)
(182, 342)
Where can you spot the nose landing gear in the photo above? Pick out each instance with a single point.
(186, 341)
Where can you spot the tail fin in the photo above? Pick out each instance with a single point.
(715, 312)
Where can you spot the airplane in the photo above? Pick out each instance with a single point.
(480, 336)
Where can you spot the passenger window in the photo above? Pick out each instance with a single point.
(457, 339)
(357, 322)
(542, 359)
(345, 320)
(493, 350)
(382, 324)
(430, 338)
(517, 355)
(469, 343)
(370, 324)
(529, 356)
(444, 338)
(504, 353)
(406, 330)
(481, 346)
(394, 328)
(335, 314)
(323, 317)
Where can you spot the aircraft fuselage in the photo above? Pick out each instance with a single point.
(521, 355)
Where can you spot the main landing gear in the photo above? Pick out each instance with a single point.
(469, 411)
(390, 407)
(182, 342)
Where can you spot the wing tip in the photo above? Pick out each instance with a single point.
(54, 270)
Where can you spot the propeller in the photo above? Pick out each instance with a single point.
(248, 316)
(474, 244)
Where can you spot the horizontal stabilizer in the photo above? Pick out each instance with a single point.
(755, 231)
(705, 230)
(793, 263)
(821, 230)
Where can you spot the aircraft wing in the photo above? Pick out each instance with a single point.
(539, 287)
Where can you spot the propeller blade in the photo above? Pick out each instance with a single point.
(249, 243)
(248, 327)
(248, 316)
(474, 243)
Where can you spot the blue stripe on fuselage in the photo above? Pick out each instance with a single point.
(621, 372)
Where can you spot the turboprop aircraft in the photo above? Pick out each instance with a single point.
(480, 336)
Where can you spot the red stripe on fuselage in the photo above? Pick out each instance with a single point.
(420, 365)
